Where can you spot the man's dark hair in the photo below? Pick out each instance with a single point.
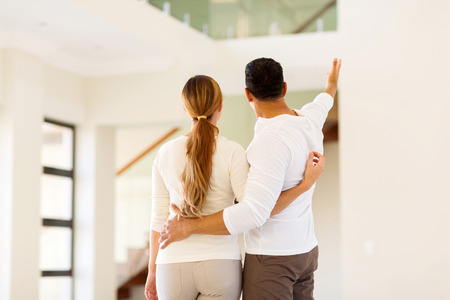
(264, 79)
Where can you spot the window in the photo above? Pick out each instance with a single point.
(57, 205)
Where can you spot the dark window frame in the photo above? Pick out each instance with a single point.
(57, 222)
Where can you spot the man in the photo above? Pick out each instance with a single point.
(281, 251)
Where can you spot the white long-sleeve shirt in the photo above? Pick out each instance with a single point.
(277, 157)
(229, 174)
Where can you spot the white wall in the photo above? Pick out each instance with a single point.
(132, 140)
(94, 213)
(20, 131)
(32, 91)
(137, 99)
(305, 58)
(394, 150)
(5, 190)
(2, 84)
(105, 277)
(65, 95)
(84, 259)
(327, 225)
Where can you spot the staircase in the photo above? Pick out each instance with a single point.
(132, 273)
(133, 205)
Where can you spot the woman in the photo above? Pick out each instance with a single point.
(201, 173)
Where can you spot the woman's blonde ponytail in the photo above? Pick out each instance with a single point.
(202, 98)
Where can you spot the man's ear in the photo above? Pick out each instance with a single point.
(284, 89)
(250, 97)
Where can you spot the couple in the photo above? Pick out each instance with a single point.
(194, 253)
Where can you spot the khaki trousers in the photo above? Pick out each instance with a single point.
(268, 277)
(209, 279)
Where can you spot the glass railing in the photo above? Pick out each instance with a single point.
(222, 19)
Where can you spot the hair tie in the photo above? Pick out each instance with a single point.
(201, 117)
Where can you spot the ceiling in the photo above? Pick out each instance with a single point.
(63, 33)
(103, 37)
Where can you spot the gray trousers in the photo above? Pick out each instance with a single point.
(290, 277)
(209, 279)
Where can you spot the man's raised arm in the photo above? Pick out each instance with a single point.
(263, 188)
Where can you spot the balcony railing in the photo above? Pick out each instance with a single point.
(222, 19)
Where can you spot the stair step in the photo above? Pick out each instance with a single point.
(123, 293)
(133, 272)
(137, 259)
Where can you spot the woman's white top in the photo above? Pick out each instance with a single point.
(229, 175)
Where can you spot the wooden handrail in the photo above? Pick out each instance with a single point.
(147, 150)
(308, 22)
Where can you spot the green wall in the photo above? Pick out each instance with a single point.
(238, 119)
